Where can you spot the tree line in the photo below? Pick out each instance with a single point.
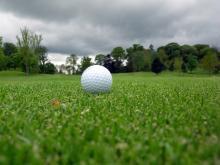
(29, 55)
(171, 57)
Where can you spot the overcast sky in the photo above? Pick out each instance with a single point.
(89, 27)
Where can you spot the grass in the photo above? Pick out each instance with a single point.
(146, 119)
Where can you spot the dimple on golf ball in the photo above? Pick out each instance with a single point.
(96, 79)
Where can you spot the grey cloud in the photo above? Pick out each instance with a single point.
(86, 27)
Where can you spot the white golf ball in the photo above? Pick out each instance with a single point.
(96, 79)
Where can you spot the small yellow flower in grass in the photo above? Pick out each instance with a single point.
(55, 103)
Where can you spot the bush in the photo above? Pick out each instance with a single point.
(48, 68)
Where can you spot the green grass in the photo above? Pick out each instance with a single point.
(146, 119)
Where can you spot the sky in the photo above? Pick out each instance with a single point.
(90, 27)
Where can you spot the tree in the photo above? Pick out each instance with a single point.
(69, 69)
(9, 49)
(172, 50)
(163, 57)
(151, 47)
(38, 50)
(178, 64)
(42, 54)
(138, 61)
(28, 44)
(138, 47)
(184, 67)
(186, 51)
(85, 63)
(71, 63)
(109, 63)
(11, 53)
(62, 69)
(118, 54)
(50, 68)
(157, 66)
(3, 59)
(209, 62)
(136, 58)
(202, 49)
(148, 58)
(1, 48)
(217, 68)
(100, 59)
(191, 63)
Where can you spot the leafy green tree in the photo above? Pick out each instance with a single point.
(136, 58)
(209, 62)
(39, 51)
(184, 67)
(187, 50)
(42, 52)
(9, 49)
(11, 53)
(202, 49)
(138, 47)
(172, 50)
(189, 55)
(85, 63)
(163, 57)
(28, 43)
(178, 63)
(148, 58)
(50, 68)
(138, 61)
(3, 59)
(192, 63)
(100, 59)
(118, 54)
(71, 63)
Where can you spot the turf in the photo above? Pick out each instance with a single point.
(145, 119)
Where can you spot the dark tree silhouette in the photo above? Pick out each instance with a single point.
(109, 63)
(157, 66)
(50, 68)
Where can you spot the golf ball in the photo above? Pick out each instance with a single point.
(96, 79)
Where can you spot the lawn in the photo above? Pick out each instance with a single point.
(145, 119)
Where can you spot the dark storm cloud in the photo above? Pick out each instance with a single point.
(86, 27)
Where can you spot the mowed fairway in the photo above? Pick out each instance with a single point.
(146, 119)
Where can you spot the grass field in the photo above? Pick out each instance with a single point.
(146, 119)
